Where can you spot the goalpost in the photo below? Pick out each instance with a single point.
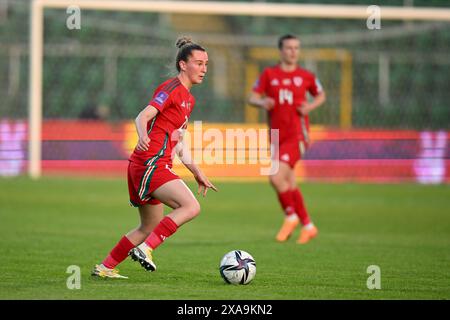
(185, 7)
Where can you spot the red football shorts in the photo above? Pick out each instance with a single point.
(289, 152)
(143, 180)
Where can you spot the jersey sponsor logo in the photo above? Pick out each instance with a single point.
(275, 82)
(298, 81)
(287, 82)
(161, 97)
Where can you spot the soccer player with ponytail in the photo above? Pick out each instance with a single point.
(151, 181)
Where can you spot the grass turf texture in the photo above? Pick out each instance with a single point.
(53, 223)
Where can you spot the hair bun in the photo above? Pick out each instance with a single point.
(183, 41)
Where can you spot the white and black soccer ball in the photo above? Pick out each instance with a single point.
(237, 267)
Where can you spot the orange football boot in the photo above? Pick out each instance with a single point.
(286, 229)
(307, 234)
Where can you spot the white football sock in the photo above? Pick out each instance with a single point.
(309, 226)
(292, 217)
(143, 246)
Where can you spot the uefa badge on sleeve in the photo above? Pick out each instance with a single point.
(161, 97)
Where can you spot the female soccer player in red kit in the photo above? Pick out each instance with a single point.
(151, 181)
(281, 90)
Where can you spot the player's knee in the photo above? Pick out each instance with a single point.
(276, 182)
(279, 184)
(193, 209)
(273, 180)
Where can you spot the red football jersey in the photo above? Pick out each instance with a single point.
(288, 89)
(174, 103)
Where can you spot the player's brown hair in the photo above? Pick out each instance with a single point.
(185, 47)
(285, 37)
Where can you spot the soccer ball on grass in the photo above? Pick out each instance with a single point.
(237, 267)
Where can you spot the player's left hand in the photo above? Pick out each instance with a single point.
(204, 184)
(304, 109)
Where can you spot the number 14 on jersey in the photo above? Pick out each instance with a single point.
(286, 95)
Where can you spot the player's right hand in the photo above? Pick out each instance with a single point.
(268, 103)
(143, 143)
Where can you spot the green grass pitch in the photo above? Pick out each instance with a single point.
(48, 225)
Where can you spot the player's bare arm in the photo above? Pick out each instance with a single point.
(258, 100)
(141, 126)
(184, 155)
(307, 107)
